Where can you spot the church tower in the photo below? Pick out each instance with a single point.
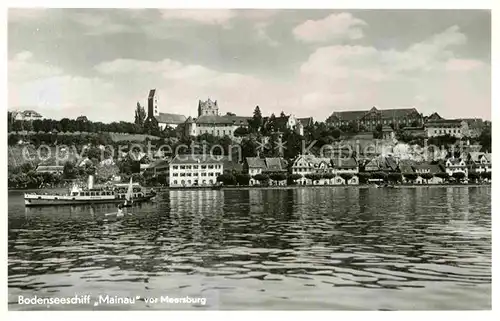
(153, 110)
(208, 107)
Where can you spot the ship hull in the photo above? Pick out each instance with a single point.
(45, 201)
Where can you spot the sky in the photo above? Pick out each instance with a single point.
(101, 62)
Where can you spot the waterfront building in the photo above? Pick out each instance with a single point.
(454, 127)
(194, 170)
(256, 165)
(337, 170)
(454, 165)
(158, 168)
(310, 164)
(425, 168)
(343, 168)
(381, 164)
(479, 162)
(405, 167)
(370, 119)
(163, 119)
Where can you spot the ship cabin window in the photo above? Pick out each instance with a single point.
(87, 193)
(74, 194)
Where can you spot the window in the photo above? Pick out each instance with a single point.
(182, 167)
(203, 166)
(210, 174)
(175, 167)
(203, 174)
(175, 174)
(210, 166)
(183, 174)
(195, 166)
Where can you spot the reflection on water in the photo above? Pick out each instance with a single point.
(310, 248)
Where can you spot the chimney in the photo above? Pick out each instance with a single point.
(91, 182)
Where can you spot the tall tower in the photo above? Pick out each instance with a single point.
(153, 110)
(208, 108)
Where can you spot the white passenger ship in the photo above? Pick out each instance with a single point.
(126, 194)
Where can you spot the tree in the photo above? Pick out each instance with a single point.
(346, 176)
(335, 132)
(277, 176)
(328, 176)
(314, 177)
(474, 176)
(261, 178)
(256, 122)
(442, 175)
(485, 140)
(486, 175)
(140, 115)
(458, 176)
(411, 176)
(82, 119)
(241, 131)
(227, 179)
(427, 176)
(69, 170)
(230, 114)
(294, 177)
(380, 175)
(282, 114)
(151, 127)
(243, 179)
(364, 177)
(271, 123)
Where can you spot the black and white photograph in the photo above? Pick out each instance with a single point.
(237, 159)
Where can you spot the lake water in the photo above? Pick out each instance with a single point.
(342, 248)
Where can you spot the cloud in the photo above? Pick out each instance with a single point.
(209, 17)
(348, 61)
(95, 24)
(463, 64)
(333, 27)
(261, 30)
(25, 14)
(49, 88)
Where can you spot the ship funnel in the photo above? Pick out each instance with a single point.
(91, 182)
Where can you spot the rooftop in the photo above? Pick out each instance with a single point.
(213, 119)
(167, 118)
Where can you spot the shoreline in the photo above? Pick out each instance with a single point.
(246, 187)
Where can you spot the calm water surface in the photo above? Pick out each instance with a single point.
(312, 248)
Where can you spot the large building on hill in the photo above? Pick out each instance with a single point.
(454, 127)
(370, 119)
(163, 119)
(210, 122)
(27, 115)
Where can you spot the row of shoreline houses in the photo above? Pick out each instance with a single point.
(200, 170)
